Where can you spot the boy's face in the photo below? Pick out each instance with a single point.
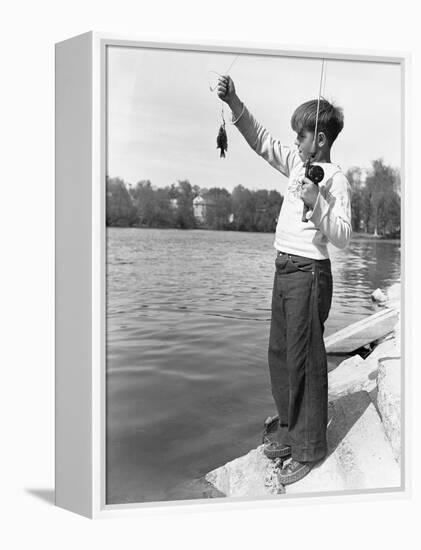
(304, 142)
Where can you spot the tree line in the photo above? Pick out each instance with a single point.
(375, 204)
(376, 200)
(143, 205)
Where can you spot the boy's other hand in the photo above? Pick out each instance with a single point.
(309, 192)
(225, 89)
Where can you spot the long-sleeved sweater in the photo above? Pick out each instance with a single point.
(330, 219)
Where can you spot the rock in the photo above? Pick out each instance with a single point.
(193, 489)
(397, 335)
(353, 374)
(394, 301)
(250, 475)
(394, 296)
(359, 454)
(359, 457)
(379, 296)
(356, 374)
(389, 400)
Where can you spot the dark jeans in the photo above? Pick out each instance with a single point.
(302, 295)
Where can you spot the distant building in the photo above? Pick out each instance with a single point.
(358, 178)
(199, 208)
(363, 177)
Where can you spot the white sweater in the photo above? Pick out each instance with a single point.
(329, 221)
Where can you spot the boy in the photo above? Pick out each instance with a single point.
(302, 290)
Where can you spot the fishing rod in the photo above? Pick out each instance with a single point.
(314, 172)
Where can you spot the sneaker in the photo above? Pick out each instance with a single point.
(274, 449)
(293, 471)
(271, 426)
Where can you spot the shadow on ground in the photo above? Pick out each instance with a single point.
(343, 414)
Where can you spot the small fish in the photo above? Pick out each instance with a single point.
(222, 140)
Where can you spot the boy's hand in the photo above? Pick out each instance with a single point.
(226, 89)
(309, 192)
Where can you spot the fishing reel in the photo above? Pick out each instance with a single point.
(315, 173)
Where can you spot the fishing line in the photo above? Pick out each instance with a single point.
(322, 82)
(226, 72)
(313, 172)
(324, 78)
(214, 88)
(221, 140)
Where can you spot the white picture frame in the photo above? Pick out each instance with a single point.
(80, 173)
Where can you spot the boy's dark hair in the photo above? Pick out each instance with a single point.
(331, 118)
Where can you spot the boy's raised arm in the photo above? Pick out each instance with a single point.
(236, 106)
(279, 156)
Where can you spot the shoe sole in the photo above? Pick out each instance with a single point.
(296, 476)
(276, 453)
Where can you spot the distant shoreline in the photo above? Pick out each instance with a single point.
(355, 236)
(371, 237)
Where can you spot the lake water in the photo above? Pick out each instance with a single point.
(188, 316)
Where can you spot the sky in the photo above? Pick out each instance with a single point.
(163, 119)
